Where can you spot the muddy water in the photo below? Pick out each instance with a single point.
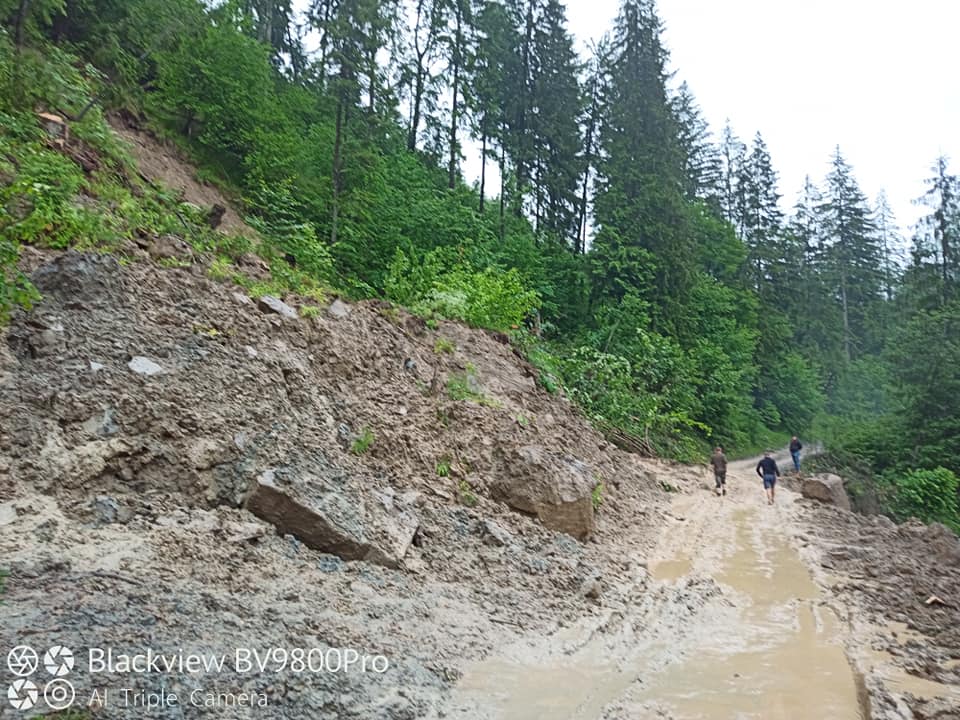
(780, 659)
(767, 650)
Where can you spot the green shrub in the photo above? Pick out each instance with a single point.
(444, 345)
(443, 285)
(443, 467)
(362, 443)
(930, 495)
(596, 496)
(467, 495)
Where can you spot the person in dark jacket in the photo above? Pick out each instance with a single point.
(795, 448)
(768, 470)
(718, 461)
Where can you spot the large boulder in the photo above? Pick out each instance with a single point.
(826, 488)
(556, 489)
(327, 511)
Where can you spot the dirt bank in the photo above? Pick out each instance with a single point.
(140, 406)
(424, 475)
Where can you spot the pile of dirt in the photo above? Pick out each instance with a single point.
(895, 576)
(152, 418)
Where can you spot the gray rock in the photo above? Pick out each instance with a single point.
(826, 488)
(107, 511)
(241, 299)
(96, 367)
(339, 309)
(102, 424)
(329, 563)
(170, 247)
(145, 366)
(335, 513)
(494, 534)
(558, 490)
(270, 304)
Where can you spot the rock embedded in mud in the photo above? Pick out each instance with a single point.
(339, 309)
(335, 517)
(270, 304)
(170, 247)
(556, 489)
(826, 488)
(145, 366)
(495, 535)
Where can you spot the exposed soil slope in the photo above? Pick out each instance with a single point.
(163, 164)
(140, 406)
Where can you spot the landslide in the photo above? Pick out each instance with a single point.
(144, 406)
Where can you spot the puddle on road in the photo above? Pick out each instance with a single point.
(670, 570)
(779, 661)
(771, 657)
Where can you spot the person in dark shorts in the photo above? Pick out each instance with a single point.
(768, 470)
(718, 461)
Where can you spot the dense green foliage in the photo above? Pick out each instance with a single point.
(672, 296)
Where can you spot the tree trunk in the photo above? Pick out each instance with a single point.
(454, 109)
(22, 13)
(503, 186)
(483, 160)
(417, 100)
(846, 316)
(337, 172)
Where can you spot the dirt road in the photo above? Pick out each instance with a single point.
(737, 627)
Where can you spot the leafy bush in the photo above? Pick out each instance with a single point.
(363, 442)
(489, 298)
(930, 495)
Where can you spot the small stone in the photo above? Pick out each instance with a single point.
(493, 534)
(95, 366)
(145, 366)
(270, 304)
(102, 424)
(242, 299)
(251, 352)
(242, 532)
(338, 309)
(107, 511)
(329, 563)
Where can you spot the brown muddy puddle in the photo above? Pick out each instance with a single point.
(773, 653)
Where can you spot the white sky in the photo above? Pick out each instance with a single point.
(879, 78)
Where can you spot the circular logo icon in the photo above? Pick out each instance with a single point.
(22, 660)
(58, 660)
(59, 694)
(22, 694)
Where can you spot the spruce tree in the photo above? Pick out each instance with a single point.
(760, 217)
(641, 217)
(702, 163)
(852, 254)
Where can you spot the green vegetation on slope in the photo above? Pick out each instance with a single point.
(677, 304)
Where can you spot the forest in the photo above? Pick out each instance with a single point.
(649, 266)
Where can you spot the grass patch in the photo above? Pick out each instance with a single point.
(363, 442)
(444, 346)
(467, 496)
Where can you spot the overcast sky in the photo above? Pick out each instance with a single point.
(879, 78)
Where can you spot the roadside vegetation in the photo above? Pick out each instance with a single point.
(646, 270)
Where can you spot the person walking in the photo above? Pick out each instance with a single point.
(795, 448)
(718, 461)
(768, 470)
